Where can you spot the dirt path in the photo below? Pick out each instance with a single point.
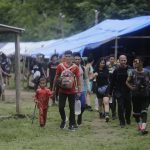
(99, 127)
(100, 130)
(11, 94)
(105, 131)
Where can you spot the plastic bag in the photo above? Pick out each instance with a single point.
(102, 89)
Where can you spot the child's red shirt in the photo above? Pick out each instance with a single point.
(42, 97)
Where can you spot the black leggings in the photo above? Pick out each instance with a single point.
(113, 105)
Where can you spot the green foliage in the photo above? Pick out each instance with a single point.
(42, 21)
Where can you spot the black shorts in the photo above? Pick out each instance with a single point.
(140, 104)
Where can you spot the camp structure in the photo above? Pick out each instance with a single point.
(93, 40)
(5, 29)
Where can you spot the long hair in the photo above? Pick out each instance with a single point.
(98, 64)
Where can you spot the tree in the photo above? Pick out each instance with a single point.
(41, 19)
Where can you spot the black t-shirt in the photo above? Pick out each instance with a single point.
(138, 80)
(119, 78)
(52, 69)
(103, 77)
(111, 70)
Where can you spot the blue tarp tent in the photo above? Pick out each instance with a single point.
(96, 36)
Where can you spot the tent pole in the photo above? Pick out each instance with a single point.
(17, 72)
(116, 48)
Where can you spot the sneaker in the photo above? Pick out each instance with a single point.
(101, 115)
(71, 128)
(143, 132)
(128, 121)
(114, 117)
(107, 118)
(122, 125)
(75, 126)
(63, 125)
(89, 108)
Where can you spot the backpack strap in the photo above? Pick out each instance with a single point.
(67, 68)
(63, 66)
(71, 66)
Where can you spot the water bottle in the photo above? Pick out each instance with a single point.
(77, 106)
(110, 100)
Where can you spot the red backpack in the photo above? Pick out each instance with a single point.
(67, 78)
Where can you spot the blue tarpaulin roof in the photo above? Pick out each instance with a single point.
(96, 36)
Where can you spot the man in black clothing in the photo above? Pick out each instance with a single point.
(121, 91)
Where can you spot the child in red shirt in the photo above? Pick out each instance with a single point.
(42, 98)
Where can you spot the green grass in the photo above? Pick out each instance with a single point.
(94, 134)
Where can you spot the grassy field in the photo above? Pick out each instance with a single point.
(94, 134)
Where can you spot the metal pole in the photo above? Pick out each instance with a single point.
(116, 48)
(61, 16)
(96, 16)
(17, 72)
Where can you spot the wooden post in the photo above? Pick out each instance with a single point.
(17, 72)
(116, 48)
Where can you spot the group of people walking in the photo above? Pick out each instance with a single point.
(113, 84)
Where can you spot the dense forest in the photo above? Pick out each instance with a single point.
(50, 19)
